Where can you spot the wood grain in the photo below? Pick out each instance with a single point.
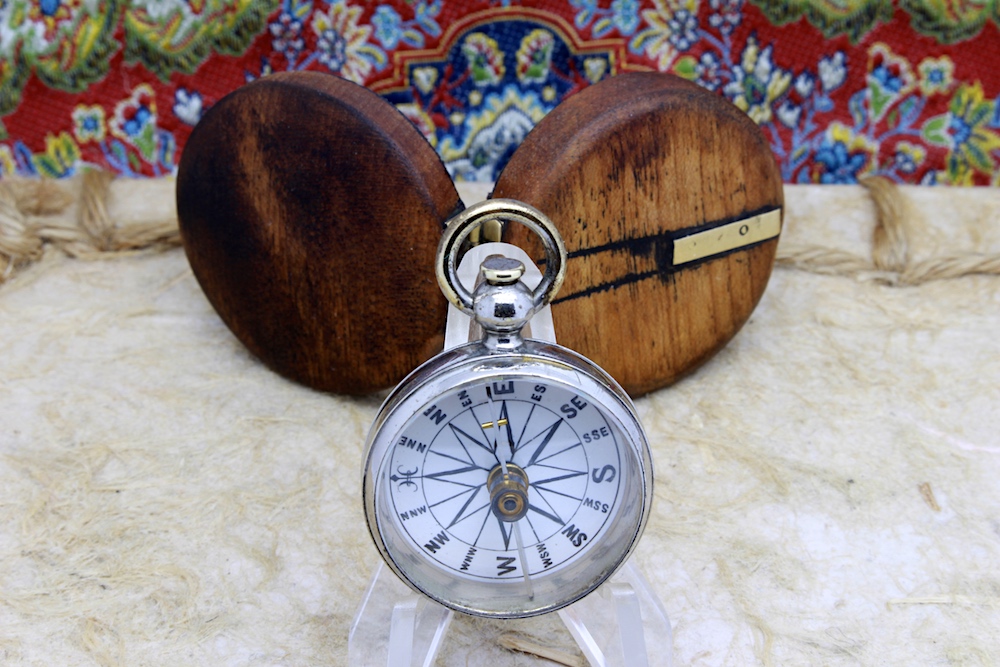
(310, 211)
(623, 168)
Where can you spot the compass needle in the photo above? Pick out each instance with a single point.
(523, 560)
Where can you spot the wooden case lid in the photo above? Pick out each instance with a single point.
(310, 211)
(631, 170)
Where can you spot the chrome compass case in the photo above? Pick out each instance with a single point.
(506, 477)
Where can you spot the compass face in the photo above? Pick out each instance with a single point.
(511, 494)
(439, 467)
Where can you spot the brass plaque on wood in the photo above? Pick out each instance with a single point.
(731, 236)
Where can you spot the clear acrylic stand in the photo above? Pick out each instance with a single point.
(394, 626)
(621, 624)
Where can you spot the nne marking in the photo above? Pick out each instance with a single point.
(410, 443)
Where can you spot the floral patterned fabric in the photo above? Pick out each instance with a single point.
(842, 88)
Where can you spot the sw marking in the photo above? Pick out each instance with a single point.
(574, 535)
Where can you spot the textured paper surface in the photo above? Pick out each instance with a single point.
(826, 487)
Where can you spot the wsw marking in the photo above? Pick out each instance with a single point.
(412, 513)
(543, 553)
(437, 542)
(504, 565)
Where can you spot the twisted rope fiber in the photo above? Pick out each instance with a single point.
(890, 263)
(73, 217)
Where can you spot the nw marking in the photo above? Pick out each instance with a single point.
(436, 542)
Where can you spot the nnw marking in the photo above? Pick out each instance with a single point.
(412, 513)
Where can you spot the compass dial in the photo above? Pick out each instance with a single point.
(508, 487)
(439, 468)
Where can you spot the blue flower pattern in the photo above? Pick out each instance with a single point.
(621, 16)
(391, 30)
(702, 40)
(842, 167)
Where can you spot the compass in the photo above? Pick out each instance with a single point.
(506, 477)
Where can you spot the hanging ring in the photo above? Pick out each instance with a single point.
(462, 225)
